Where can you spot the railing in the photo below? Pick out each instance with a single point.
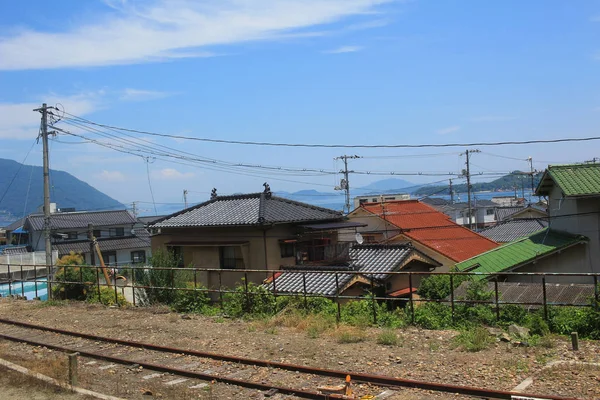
(543, 289)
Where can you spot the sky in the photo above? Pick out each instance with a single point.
(297, 71)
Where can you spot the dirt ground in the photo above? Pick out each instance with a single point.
(419, 354)
(18, 386)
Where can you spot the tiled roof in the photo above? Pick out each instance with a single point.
(435, 201)
(365, 258)
(432, 228)
(503, 213)
(573, 180)
(514, 229)
(108, 244)
(247, 209)
(525, 292)
(150, 219)
(81, 219)
(15, 225)
(520, 252)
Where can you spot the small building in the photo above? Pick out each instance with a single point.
(121, 243)
(256, 231)
(370, 268)
(380, 198)
(482, 211)
(520, 212)
(427, 229)
(545, 251)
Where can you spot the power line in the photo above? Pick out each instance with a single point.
(318, 145)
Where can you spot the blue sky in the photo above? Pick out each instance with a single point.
(302, 71)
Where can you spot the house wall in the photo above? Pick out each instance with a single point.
(253, 250)
(402, 281)
(38, 243)
(384, 229)
(579, 216)
(123, 256)
(528, 213)
(572, 259)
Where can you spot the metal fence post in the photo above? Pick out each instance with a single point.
(22, 283)
(9, 280)
(116, 293)
(221, 290)
(98, 281)
(496, 299)
(133, 271)
(596, 305)
(545, 298)
(274, 293)
(337, 299)
(412, 306)
(304, 290)
(452, 295)
(35, 280)
(246, 290)
(374, 305)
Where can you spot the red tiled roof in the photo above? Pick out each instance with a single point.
(434, 229)
(402, 292)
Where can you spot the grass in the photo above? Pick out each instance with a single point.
(350, 334)
(388, 337)
(271, 331)
(474, 339)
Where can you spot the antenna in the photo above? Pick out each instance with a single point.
(359, 238)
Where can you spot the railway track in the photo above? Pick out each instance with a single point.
(239, 371)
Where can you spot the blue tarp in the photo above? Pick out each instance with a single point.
(20, 230)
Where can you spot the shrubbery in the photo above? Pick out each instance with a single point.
(107, 297)
(74, 282)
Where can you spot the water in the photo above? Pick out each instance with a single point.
(26, 288)
(462, 197)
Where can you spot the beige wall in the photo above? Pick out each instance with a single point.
(374, 224)
(401, 281)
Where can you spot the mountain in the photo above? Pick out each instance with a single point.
(65, 190)
(506, 183)
(387, 186)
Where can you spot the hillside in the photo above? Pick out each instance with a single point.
(505, 183)
(65, 191)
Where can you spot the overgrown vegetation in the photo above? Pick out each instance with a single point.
(73, 281)
(474, 339)
(107, 297)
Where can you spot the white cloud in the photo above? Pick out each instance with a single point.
(344, 49)
(142, 95)
(450, 129)
(171, 174)
(491, 118)
(135, 31)
(111, 176)
(19, 121)
(595, 18)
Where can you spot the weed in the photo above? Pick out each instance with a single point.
(350, 334)
(474, 339)
(434, 346)
(271, 331)
(173, 318)
(219, 320)
(251, 328)
(388, 337)
(313, 332)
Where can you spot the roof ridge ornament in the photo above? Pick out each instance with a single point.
(213, 194)
(267, 190)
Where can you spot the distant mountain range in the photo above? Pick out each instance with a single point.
(516, 179)
(66, 191)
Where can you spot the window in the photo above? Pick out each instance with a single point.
(288, 249)
(110, 258)
(177, 252)
(71, 235)
(362, 201)
(230, 257)
(112, 232)
(138, 257)
(489, 211)
(374, 200)
(97, 233)
(369, 239)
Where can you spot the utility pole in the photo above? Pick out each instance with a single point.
(92, 248)
(185, 192)
(468, 175)
(134, 209)
(531, 171)
(345, 182)
(451, 192)
(44, 111)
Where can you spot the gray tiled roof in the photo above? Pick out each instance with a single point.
(523, 292)
(247, 209)
(150, 219)
(503, 213)
(15, 225)
(108, 244)
(514, 229)
(367, 257)
(81, 219)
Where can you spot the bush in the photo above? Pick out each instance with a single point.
(388, 337)
(513, 314)
(313, 305)
(437, 287)
(358, 313)
(160, 280)
(537, 326)
(583, 320)
(477, 290)
(478, 314)
(107, 297)
(474, 339)
(83, 279)
(433, 316)
(349, 334)
(191, 300)
(258, 302)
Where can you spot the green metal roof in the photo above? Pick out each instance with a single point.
(519, 252)
(573, 180)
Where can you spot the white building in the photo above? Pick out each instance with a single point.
(379, 198)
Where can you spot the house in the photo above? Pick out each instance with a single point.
(119, 240)
(511, 230)
(573, 193)
(369, 269)
(509, 201)
(521, 212)
(482, 211)
(544, 251)
(256, 231)
(427, 229)
(15, 234)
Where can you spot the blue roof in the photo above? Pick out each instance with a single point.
(20, 230)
